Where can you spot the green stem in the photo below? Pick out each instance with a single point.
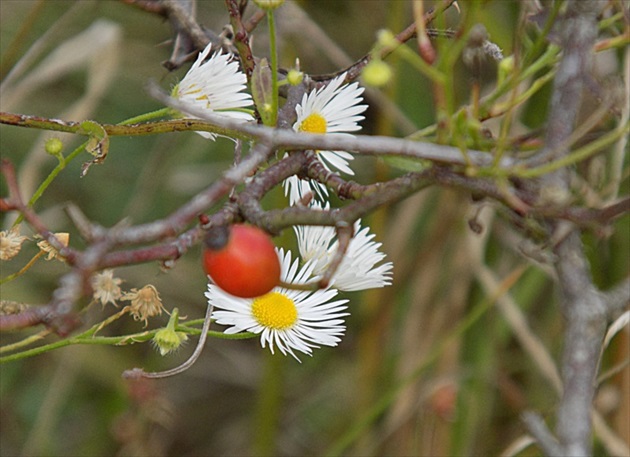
(121, 129)
(274, 66)
(162, 112)
(576, 156)
(63, 161)
(217, 334)
(50, 178)
(23, 270)
(25, 342)
(268, 406)
(548, 59)
(147, 128)
(88, 337)
(419, 64)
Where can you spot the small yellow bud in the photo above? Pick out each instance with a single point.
(53, 146)
(295, 77)
(268, 4)
(386, 38)
(376, 73)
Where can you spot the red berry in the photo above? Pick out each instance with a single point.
(246, 264)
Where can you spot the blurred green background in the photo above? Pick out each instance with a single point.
(428, 366)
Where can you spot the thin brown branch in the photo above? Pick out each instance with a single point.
(345, 232)
(7, 169)
(27, 318)
(149, 6)
(254, 20)
(184, 21)
(241, 38)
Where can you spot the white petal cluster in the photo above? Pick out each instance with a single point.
(359, 269)
(337, 109)
(215, 85)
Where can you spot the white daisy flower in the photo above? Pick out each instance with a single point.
(289, 319)
(215, 85)
(335, 110)
(358, 270)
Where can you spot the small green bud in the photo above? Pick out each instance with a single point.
(295, 77)
(386, 38)
(506, 67)
(376, 73)
(167, 340)
(268, 4)
(53, 146)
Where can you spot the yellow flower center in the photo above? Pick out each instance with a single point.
(314, 123)
(275, 311)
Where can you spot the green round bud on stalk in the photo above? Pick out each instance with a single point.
(295, 77)
(268, 4)
(53, 146)
(386, 38)
(167, 339)
(376, 73)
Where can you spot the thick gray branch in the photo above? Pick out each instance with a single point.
(582, 304)
(363, 144)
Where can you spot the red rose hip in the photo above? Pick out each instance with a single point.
(241, 260)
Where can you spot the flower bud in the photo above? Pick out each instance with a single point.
(376, 73)
(167, 339)
(53, 146)
(386, 38)
(268, 4)
(295, 77)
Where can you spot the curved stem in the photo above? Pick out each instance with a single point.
(136, 373)
(22, 270)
